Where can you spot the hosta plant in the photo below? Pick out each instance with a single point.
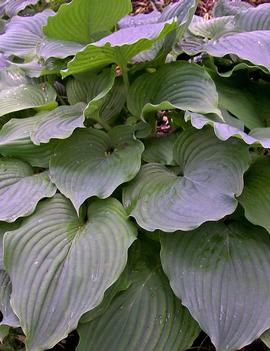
(134, 174)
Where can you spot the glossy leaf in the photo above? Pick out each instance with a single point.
(78, 163)
(178, 85)
(82, 21)
(119, 47)
(21, 189)
(58, 123)
(256, 195)
(202, 189)
(65, 265)
(15, 142)
(146, 317)
(221, 274)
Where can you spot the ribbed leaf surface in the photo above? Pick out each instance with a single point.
(256, 195)
(146, 317)
(221, 273)
(58, 123)
(24, 96)
(210, 174)
(60, 266)
(15, 142)
(83, 20)
(93, 163)
(252, 46)
(21, 189)
(178, 85)
(15, 6)
(160, 149)
(119, 47)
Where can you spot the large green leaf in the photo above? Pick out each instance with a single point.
(252, 46)
(23, 37)
(21, 189)
(9, 317)
(60, 266)
(221, 273)
(83, 20)
(19, 93)
(105, 96)
(58, 123)
(93, 163)
(265, 337)
(256, 195)
(119, 47)
(246, 99)
(230, 127)
(15, 142)
(178, 85)
(146, 317)
(160, 149)
(202, 189)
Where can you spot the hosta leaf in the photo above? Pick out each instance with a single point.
(256, 195)
(15, 6)
(120, 285)
(265, 337)
(210, 174)
(24, 37)
(248, 100)
(78, 163)
(21, 189)
(230, 128)
(83, 21)
(228, 7)
(15, 142)
(146, 317)
(119, 47)
(60, 266)
(221, 273)
(19, 93)
(4, 330)
(160, 149)
(58, 123)
(9, 318)
(254, 18)
(212, 28)
(178, 85)
(139, 20)
(252, 46)
(104, 96)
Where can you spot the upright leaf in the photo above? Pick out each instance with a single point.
(202, 189)
(60, 266)
(118, 47)
(221, 274)
(84, 21)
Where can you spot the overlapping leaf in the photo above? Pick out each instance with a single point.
(15, 142)
(58, 123)
(93, 163)
(146, 317)
(178, 85)
(119, 47)
(84, 21)
(221, 274)
(256, 195)
(24, 37)
(210, 174)
(60, 266)
(21, 189)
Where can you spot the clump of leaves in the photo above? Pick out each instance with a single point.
(134, 175)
